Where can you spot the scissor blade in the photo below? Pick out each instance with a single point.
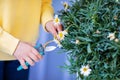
(50, 48)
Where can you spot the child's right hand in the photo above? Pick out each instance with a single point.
(26, 53)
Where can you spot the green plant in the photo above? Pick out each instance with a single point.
(93, 38)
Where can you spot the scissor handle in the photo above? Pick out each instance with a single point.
(40, 49)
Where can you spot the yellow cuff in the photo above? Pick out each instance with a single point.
(8, 43)
(45, 22)
(47, 14)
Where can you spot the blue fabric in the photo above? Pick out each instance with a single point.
(8, 71)
(49, 67)
(1, 70)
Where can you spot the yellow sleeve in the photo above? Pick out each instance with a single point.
(8, 43)
(47, 12)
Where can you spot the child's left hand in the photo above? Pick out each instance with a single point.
(52, 28)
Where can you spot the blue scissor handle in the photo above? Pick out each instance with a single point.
(40, 49)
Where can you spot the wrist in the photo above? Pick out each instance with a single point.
(47, 24)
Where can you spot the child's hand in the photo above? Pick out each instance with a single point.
(26, 53)
(53, 29)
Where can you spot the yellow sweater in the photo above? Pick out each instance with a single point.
(19, 20)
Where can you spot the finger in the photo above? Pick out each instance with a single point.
(29, 60)
(54, 32)
(33, 44)
(34, 57)
(59, 28)
(22, 62)
(37, 54)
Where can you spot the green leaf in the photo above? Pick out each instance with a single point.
(85, 39)
(82, 20)
(89, 49)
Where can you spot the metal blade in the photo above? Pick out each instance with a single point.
(50, 48)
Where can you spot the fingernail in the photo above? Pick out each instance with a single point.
(39, 57)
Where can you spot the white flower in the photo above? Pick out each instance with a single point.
(111, 36)
(115, 17)
(65, 32)
(85, 70)
(62, 34)
(116, 40)
(117, 1)
(57, 42)
(98, 32)
(77, 41)
(56, 20)
(65, 4)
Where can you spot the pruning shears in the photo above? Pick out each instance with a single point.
(41, 49)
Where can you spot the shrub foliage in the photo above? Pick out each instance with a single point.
(93, 38)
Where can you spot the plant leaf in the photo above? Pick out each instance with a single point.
(88, 48)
